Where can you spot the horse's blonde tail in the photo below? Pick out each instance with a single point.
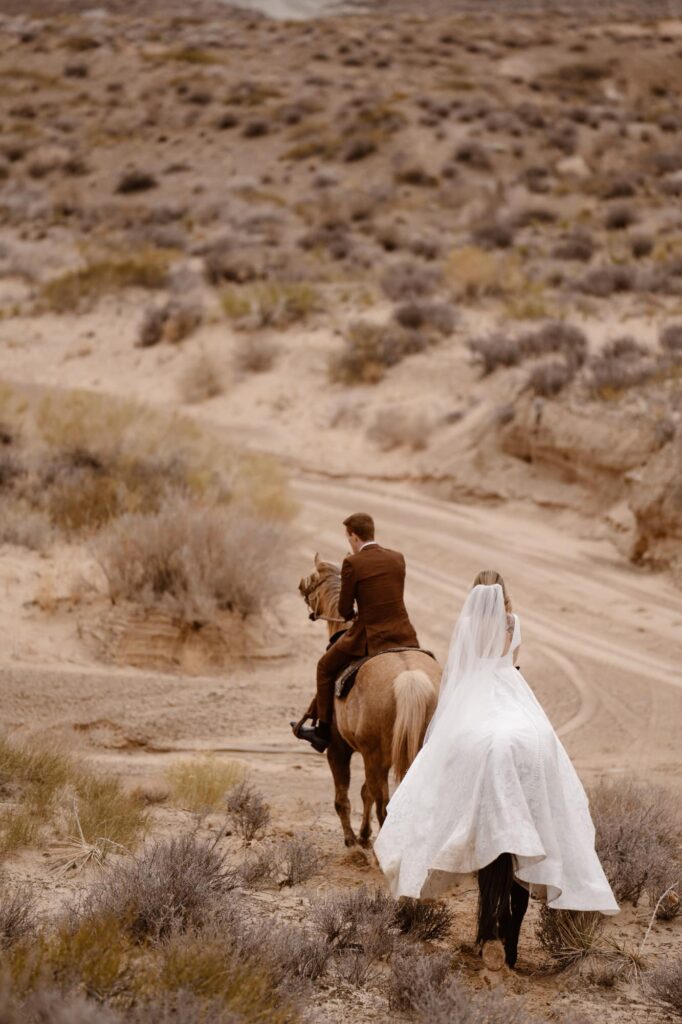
(415, 699)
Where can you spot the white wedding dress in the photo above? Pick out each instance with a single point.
(492, 777)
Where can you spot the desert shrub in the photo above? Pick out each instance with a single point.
(474, 155)
(475, 272)
(49, 1005)
(371, 349)
(641, 246)
(618, 188)
(413, 975)
(494, 234)
(579, 245)
(259, 867)
(550, 377)
(299, 859)
(25, 527)
(569, 935)
(671, 338)
(200, 784)
(602, 282)
(342, 916)
(255, 128)
(455, 1000)
(619, 217)
(269, 304)
(247, 811)
(255, 354)
(410, 280)
(172, 322)
(147, 268)
(17, 913)
(395, 428)
(495, 350)
(665, 982)
(411, 172)
(638, 829)
(193, 561)
(417, 315)
(532, 215)
(201, 379)
(173, 885)
(622, 363)
(556, 336)
(135, 180)
(425, 921)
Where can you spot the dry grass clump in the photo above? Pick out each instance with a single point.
(666, 984)
(200, 784)
(173, 885)
(269, 304)
(25, 527)
(247, 811)
(76, 289)
(287, 862)
(638, 832)
(371, 349)
(255, 354)
(419, 315)
(172, 322)
(52, 1006)
(475, 273)
(454, 1000)
(17, 913)
(569, 935)
(201, 379)
(413, 975)
(193, 561)
(49, 792)
(395, 428)
(409, 280)
(425, 921)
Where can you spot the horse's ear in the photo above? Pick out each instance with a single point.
(318, 561)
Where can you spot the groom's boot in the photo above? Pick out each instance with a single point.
(318, 737)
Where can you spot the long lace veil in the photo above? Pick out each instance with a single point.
(478, 641)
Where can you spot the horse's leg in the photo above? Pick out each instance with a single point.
(338, 758)
(494, 894)
(374, 793)
(518, 905)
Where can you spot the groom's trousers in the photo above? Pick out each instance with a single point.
(329, 666)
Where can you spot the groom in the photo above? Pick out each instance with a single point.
(373, 578)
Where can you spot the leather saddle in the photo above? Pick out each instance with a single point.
(346, 678)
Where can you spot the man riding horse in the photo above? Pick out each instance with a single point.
(373, 579)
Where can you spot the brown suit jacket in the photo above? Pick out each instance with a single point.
(374, 580)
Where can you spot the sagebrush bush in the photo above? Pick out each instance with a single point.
(416, 977)
(299, 859)
(49, 1005)
(619, 217)
(172, 322)
(671, 338)
(456, 1001)
(495, 350)
(193, 561)
(173, 885)
(556, 337)
(602, 282)
(247, 811)
(136, 180)
(638, 830)
(371, 349)
(579, 245)
(423, 920)
(418, 315)
(494, 234)
(550, 377)
(409, 280)
(665, 982)
(269, 304)
(200, 784)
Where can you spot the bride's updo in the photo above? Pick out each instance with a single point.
(488, 578)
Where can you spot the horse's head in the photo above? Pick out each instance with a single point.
(320, 590)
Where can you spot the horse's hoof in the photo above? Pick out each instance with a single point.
(493, 955)
(350, 841)
(365, 842)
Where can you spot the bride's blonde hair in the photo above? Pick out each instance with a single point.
(487, 578)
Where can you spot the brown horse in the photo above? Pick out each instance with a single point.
(384, 717)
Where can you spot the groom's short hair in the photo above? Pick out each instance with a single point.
(361, 524)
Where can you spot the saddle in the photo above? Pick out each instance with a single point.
(346, 678)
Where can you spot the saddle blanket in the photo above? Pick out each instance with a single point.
(346, 678)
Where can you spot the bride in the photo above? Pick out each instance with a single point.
(492, 790)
